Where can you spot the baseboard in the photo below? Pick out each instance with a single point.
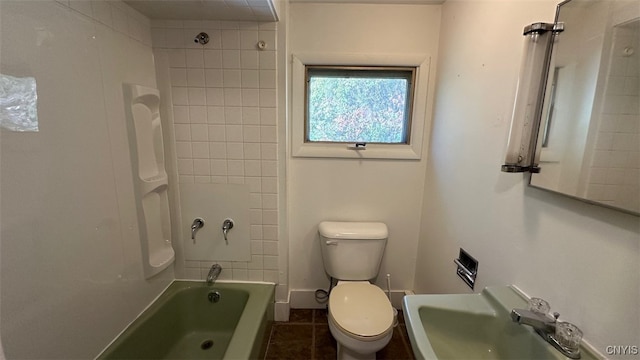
(306, 299)
(281, 311)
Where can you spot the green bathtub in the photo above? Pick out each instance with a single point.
(184, 324)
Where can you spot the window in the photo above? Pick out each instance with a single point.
(339, 101)
(358, 104)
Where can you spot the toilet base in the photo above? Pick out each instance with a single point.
(345, 353)
(355, 349)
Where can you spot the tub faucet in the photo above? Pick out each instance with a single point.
(214, 272)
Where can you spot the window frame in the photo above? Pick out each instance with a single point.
(410, 151)
(407, 73)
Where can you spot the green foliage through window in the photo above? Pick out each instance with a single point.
(371, 105)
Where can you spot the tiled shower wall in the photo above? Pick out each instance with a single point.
(615, 170)
(224, 112)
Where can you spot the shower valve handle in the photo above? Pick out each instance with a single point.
(226, 226)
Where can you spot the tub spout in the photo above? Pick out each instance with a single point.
(214, 272)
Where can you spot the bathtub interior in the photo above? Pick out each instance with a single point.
(184, 324)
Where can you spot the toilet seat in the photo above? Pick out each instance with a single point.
(361, 310)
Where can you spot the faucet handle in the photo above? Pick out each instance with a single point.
(556, 315)
(539, 306)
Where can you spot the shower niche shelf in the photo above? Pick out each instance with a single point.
(142, 105)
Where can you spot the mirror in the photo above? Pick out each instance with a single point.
(589, 136)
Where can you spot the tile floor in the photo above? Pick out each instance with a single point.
(306, 336)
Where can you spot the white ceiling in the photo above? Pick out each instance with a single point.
(231, 10)
(234, 10)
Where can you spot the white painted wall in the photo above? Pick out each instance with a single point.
(71, 261)
(583, 259)
(349, 189)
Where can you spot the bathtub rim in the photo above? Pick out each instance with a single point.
(257, 306)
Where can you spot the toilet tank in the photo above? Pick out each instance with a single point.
(352, 250)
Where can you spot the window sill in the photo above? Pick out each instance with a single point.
(372, 151)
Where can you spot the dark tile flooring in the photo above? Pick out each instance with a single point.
(306, 336)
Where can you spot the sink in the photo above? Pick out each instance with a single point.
(474, 326)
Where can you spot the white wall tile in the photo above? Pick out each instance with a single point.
(230, 59)
(268, 134)
(250, 79)
(251, 133)
(230, 39)
(185, 166)
(231, 78)
(200, 150)
(213, 59)
(197, 96)
(234, 133)
(195, 77)
(233, 114)
(199, 132)
(268, 116)
(215, 115)
(218, 167)
(179, 95)
(249, 59)
(195, 58)
(174, 38)
(201, 167)
(217, 133)
(235, 167)
(250, 97)
(181, 114)
(251, 151)
(267, 60)
(183, 150)
(217, 150)
(215, 96)
(177, 58)
(198, 115)
(268, 97)
(248, 40)
(250, 115)
(214, 78)
(235, 150)
(182, 132)
(252, 168)
(267, 79)
(178, 77)
(232, 97)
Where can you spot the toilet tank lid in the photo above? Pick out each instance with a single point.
(353, 230)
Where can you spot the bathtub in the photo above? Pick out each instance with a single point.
(186, 322)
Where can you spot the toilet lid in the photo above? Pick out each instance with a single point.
(361, 308)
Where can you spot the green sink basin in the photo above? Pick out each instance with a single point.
(474, 326)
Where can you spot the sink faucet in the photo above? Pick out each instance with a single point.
(214, 272)
(539, 322)
(545, 326)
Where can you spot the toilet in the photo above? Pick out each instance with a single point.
(360, 314)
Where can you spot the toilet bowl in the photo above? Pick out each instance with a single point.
(360, 314)
(360, 319)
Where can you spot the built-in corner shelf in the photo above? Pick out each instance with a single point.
(142, 105)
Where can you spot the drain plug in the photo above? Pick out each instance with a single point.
(206, 345)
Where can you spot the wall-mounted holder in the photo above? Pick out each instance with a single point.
(150, 180)
(467, 268)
